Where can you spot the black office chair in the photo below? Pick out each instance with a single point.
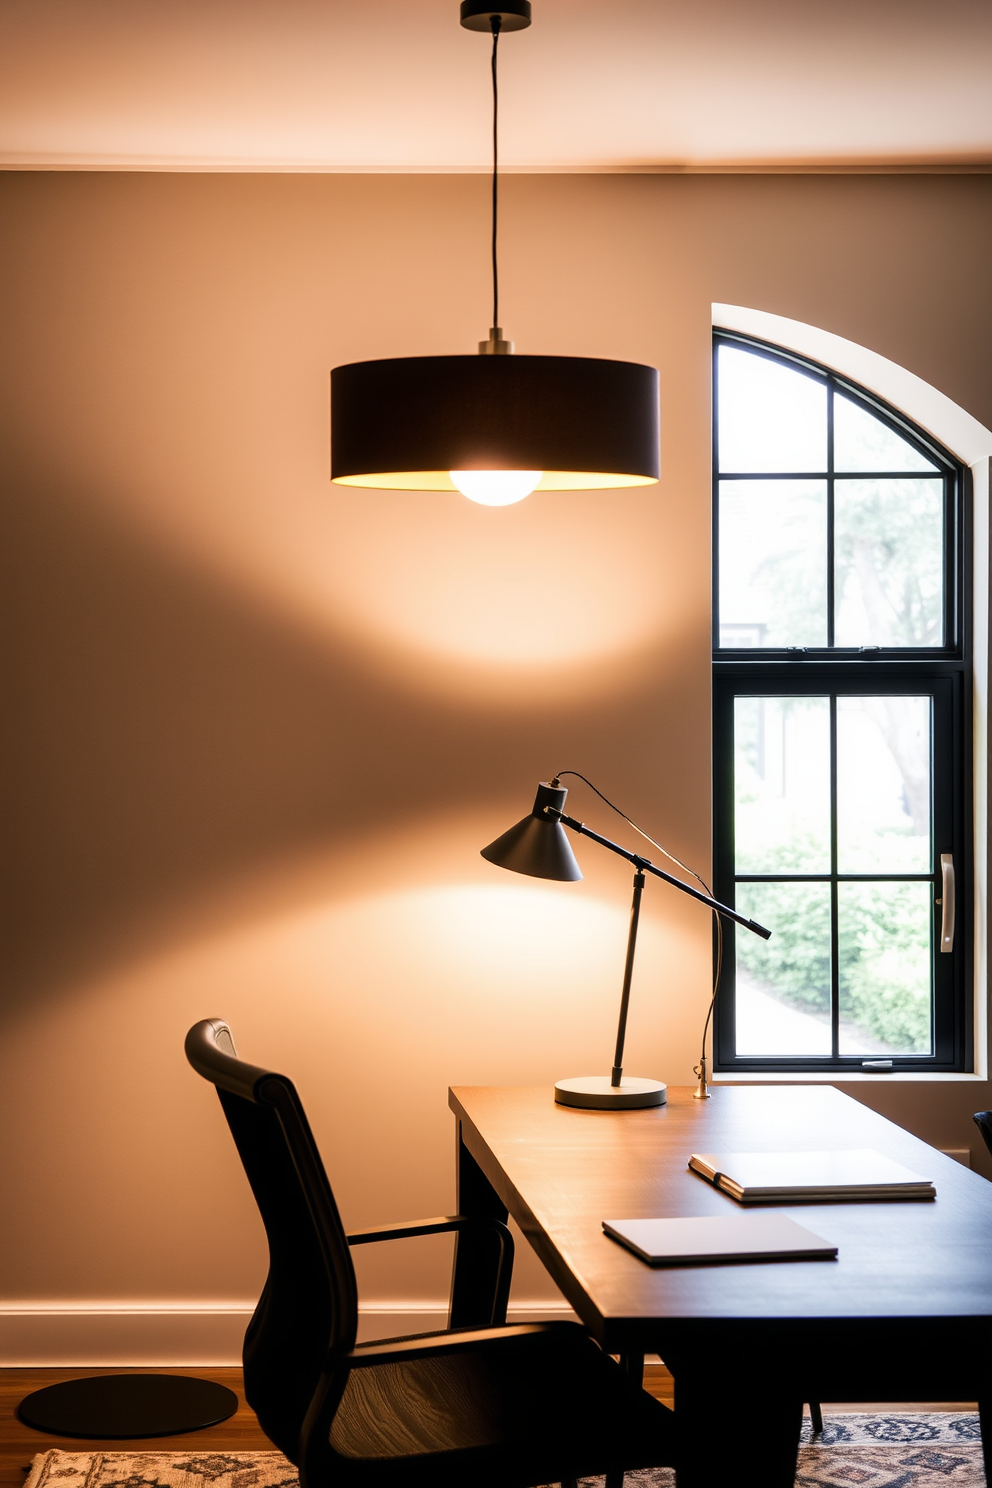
(983, 1120)
(500, 1406)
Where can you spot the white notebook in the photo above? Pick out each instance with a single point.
(781, 1177)
(726, 1237)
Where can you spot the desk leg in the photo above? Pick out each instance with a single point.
(735, 1429)
(474, 1300)
(985, 1419)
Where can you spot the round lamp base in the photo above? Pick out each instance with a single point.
(595, 1093)
(127, 1406)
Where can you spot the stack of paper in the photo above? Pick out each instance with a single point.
(806, 1177)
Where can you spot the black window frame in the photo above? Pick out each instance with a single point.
(944, 671)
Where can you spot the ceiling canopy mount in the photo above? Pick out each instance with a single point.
(512, 17)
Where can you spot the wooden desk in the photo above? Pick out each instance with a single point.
(904, 1313)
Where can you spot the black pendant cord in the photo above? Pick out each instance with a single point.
(496, 23)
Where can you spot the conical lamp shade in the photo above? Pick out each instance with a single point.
(537, 846)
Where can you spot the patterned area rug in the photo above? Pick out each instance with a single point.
(911, 1451)
(938, 1450)
(57, 1469)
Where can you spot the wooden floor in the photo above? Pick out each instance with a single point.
(19, 1443)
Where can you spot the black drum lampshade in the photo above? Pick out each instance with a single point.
(572, 423)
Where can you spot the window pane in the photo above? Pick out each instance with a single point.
(889, 562)
(885, 968)
(773, 563)
(782, 784)
(863, 442)
(884, 786)
(783, 984)
(770, 418)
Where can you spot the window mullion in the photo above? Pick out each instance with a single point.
(830, 515)
(834, 933)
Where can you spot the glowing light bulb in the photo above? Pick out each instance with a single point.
(495, 487)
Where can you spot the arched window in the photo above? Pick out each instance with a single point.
(840, 710)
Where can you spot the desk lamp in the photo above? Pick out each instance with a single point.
(538, 847)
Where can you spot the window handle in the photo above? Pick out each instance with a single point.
(946, 902)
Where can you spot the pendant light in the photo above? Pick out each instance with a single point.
(494, 426)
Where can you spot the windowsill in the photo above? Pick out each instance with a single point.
(841, 1077)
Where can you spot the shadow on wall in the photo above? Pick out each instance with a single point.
(169, 736)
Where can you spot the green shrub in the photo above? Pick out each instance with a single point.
(884, 952)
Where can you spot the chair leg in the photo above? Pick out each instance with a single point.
(614, 1479)
(816, 1417)
(569, 1483)
(633, 1367)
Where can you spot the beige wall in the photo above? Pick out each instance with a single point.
(260, 727)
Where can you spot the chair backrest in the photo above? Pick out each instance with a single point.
(308, 1310)
(983, 1120)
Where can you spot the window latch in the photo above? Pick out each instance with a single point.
(946, 902)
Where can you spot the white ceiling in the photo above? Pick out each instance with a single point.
(397, 85)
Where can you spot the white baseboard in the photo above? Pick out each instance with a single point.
(40, 1335)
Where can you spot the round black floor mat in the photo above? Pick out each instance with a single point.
(127, 1406)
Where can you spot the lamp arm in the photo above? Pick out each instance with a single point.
(644, 865)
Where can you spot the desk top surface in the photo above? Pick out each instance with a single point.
(561, 1172)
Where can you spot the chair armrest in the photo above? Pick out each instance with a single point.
(472, 1339)
(436, 1226)
(457, 1222)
